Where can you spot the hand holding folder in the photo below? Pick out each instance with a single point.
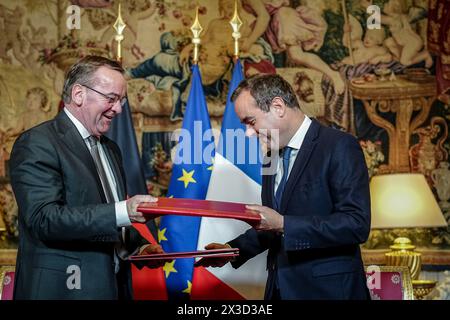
(216, 254)
(216, 261)
(150, 250)
(199, 208)
(163, 257)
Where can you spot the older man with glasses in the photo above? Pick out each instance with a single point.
(74, 222)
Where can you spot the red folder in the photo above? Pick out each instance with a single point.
(228, 252)
(199, 208)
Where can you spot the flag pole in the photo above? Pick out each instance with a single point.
(119, 26)
(236, 24)
(196, 29)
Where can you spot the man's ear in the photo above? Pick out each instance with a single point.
(279, 106)
(78, 94)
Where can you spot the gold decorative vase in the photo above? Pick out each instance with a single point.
(422, 288)
(403, 254)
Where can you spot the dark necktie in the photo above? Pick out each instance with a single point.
(285, 155)
(100, 169)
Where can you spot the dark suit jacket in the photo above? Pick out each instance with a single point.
(64, 219)
(326, 208)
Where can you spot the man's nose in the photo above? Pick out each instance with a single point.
(117, 107)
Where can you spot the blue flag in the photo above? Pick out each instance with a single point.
(190, 178)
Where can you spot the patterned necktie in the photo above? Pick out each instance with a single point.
(100, 169)
(286, 155)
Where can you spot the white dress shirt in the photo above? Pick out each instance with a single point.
(122, 218)
(295, 143)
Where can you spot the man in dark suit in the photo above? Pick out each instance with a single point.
(74, 222)
(316, 202)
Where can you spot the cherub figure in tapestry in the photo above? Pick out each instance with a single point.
(297, 31)
(368, 50)
(395, 13)
(404, 43)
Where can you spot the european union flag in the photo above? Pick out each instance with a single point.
(190, 178)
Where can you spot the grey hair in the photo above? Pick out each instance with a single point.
(83, 71)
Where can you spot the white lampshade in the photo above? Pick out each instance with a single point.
(403, 201)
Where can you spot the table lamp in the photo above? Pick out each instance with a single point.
(404, 201)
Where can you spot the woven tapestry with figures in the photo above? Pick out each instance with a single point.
(388, 86)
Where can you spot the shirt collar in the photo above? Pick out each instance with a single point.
(81, 129)
(297, 140)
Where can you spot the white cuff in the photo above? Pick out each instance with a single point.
(122, 218)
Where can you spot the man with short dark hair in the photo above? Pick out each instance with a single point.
(74, 222)
(316, 205)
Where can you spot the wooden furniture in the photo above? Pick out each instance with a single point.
(401, 97)
(433, 257)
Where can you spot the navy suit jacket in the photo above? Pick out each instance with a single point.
(64, 219)
(326, 209)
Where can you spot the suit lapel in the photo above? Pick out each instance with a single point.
(73, 140)
(301, 161)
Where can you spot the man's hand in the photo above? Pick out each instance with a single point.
(152, 249)
(132, 205)
(214, 262)
(270, 219)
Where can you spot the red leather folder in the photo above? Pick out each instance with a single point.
(199, 208)
(228, 252)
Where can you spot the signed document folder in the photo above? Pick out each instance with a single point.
(217, 253)
(199, 208)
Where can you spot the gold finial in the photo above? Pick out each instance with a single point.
(196, 29)
(236, 24)
(119, 26)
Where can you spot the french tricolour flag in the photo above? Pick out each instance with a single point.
(236, 177)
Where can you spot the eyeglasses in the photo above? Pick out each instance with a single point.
(112, 98)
